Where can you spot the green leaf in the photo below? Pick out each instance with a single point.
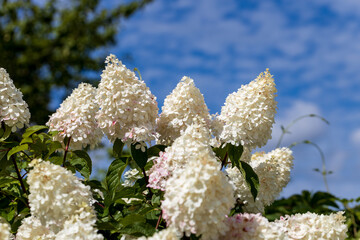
(252, 180)
(83, 155)
(81, 166)
(235, 153)
(26, 140)
(33, 129)
(155, 150)
(16, 150)
(5, 133)
(105, 226)
(132, 219)
(58, 160)
(139, 156)
(53, 146)
(114, 174)
(7, 181)
(117, 148)
(221, 151)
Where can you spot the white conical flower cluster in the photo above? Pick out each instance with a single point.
(166, 234)
(14, 111)
(4, 230)
(310, 226)
(60, 205)
(247, 226)
(273, 170)
(248, 114)
(198, 197)
(128, 110)
(193, 141)
(76, 118)
(183, 107)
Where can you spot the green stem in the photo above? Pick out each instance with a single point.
(286, 129)
(324, 171)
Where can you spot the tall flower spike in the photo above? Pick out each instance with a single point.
(197, 199)
(273, 170)
(14, 111)
(60, 203)
(128, 110)
(76, 118)
(248, 114)
(183, 107)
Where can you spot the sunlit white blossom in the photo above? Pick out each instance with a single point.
(247, 226)
(194, 141)
(184, 106)
(14, 111)
(248, 114)
(31, 228)
(128, 110)
(4, 230)
(76, 118)
(197, 198)
(273, 170)
(310, 226)
(166, 234)
(60, 202)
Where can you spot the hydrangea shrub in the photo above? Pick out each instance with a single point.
(180, 174)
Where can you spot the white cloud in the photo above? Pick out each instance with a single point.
(355, 137)
(308, 128)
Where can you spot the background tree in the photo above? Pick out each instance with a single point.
(56, 43)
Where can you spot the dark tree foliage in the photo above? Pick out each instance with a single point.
(55, 44)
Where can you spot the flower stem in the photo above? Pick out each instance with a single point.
(159, 220)
(18, 175)
(66, 150)
(223, 162)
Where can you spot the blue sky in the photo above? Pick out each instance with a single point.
(311, 47)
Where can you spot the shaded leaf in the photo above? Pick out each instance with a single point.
(117, 148)
(5, 134)
(138, 155)
(155, 150)
(83, 155)
(251, 178)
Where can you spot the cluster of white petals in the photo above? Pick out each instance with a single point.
(14, 111)
(247, 226)
(197, 198)
(273, 170)
(310, 226)
(31, 228)
(59, 203)
(130, 177)
(248, 114)
(76, 118)
(194, 141)
(166, 234)
(128, 110)
(4, 230)
(183, 107)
